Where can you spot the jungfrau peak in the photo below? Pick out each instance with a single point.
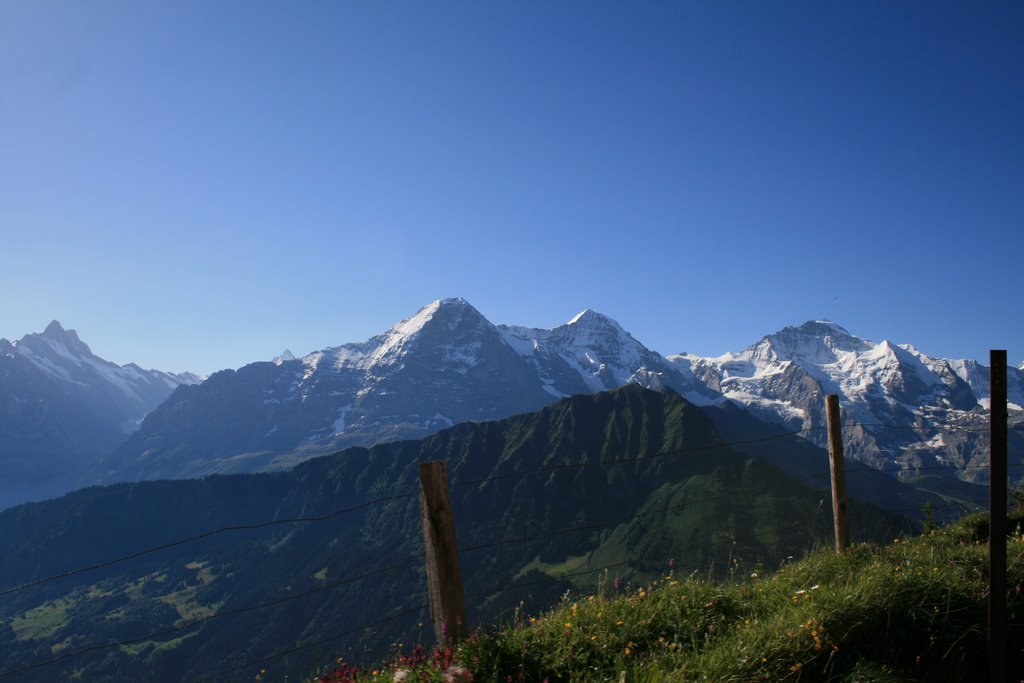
(903, 409)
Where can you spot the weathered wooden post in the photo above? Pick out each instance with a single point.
(444, 580)
(835, 461)
(997, 525)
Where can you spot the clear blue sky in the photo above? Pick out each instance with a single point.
(197, 185)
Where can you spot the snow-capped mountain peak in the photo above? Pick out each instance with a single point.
(591, 319)
(285, 356)
(592, 352)
(54, 339)
(815, 341)
(60, 354)
(445, 321)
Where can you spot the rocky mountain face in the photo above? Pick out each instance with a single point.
(903, 410)
(445, 365)
(62, 408)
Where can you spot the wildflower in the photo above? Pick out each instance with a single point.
(627, 651)
(618, 582)
(400, 676)
(796, 667)
(568, 624)
(753, 575)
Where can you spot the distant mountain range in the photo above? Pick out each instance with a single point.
(62, 408)
(448, 364)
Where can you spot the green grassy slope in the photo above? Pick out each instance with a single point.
(914, 610)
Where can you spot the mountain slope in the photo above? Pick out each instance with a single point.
(62, 408)
(629, 478)
(445, 365)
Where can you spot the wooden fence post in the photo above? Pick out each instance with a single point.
(835, 461)
(444, 580)
(997, 628)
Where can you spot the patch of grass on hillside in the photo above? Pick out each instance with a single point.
(149, 647)
(42, 621)
(913, 610)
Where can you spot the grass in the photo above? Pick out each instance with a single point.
(42, 621)
(914, 610)
(149, 647)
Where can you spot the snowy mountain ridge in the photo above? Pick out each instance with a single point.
(784, 376)
(62, 408)
(590, 352)
(444, 365)
(60, 354)
(448, 364)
